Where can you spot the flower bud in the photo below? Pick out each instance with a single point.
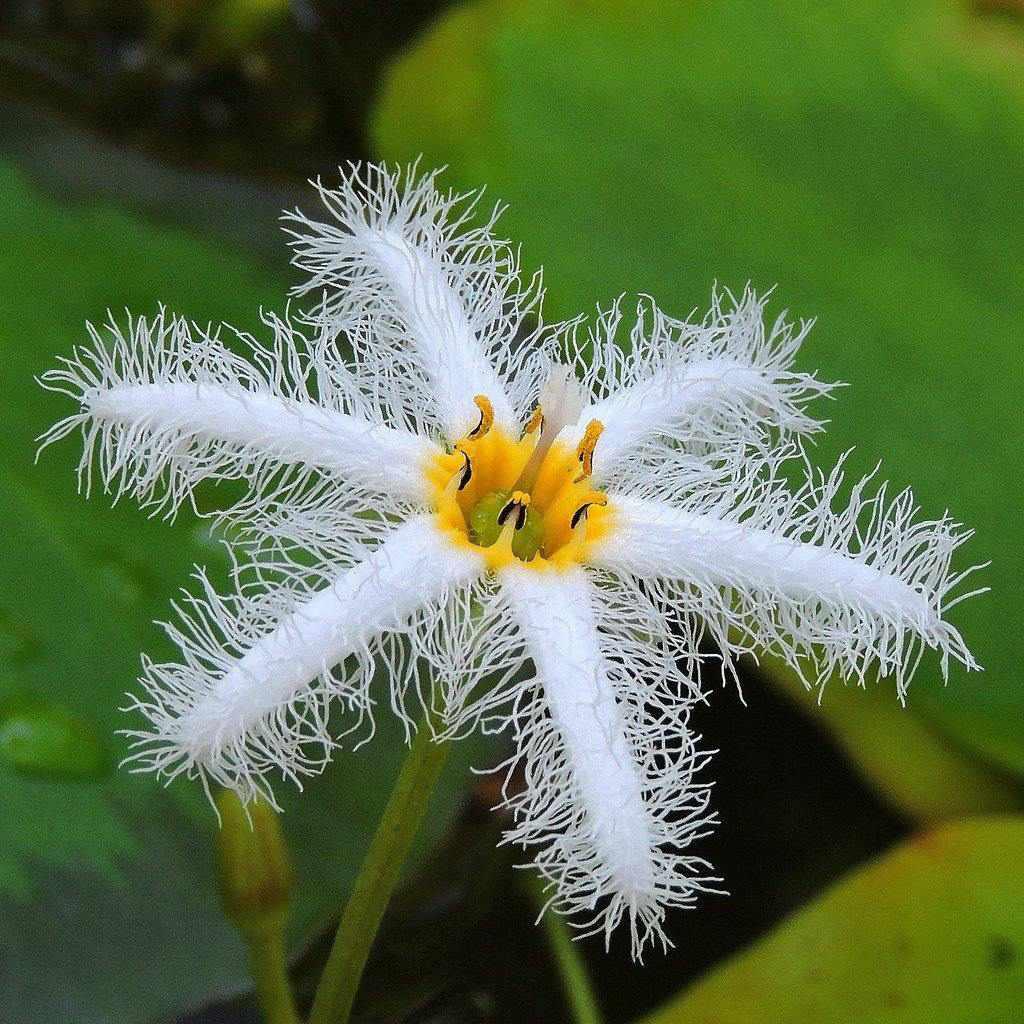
(254, 869)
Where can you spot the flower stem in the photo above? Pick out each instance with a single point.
(377, 878)
(572, 969)
(267, 961)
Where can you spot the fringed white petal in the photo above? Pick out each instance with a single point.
(680, 382)
(428, 301)
(766, 569)
(164, 405)
(252, 691)
(609, 801)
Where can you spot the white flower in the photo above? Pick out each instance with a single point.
(519, 546)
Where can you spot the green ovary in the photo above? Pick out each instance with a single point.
(484, 529)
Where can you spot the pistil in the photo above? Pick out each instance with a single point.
(560, 404)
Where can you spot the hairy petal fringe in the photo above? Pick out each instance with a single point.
(609, 803)
(165, 405)
(765, 568)
(259, 669)
(430, 302)
(685, 383)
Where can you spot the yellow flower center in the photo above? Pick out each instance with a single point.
(516, 501)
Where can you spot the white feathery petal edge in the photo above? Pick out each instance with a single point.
(684, 382)
(609, 803)
(429, 301)
(251, 692)
(765, 568)
(164, 405)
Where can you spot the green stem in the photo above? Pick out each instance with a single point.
(268, 961)
(572, 969)
(377, 878)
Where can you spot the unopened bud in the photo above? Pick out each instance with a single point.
(254, 870)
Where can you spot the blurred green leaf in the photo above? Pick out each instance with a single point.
(40, 737)
(922, 772)
(931, 931)
(108, 908)
(866, 157)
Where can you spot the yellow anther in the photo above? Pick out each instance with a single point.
(585, 449)
(536, 423)
(483, 403)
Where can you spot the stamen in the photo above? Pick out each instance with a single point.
(462, 477)
(579, 517)
(483, 403)
(585, 449)
(520, 503)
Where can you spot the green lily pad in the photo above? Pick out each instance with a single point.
(108, 909)
(933, 930)
(866, 157)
